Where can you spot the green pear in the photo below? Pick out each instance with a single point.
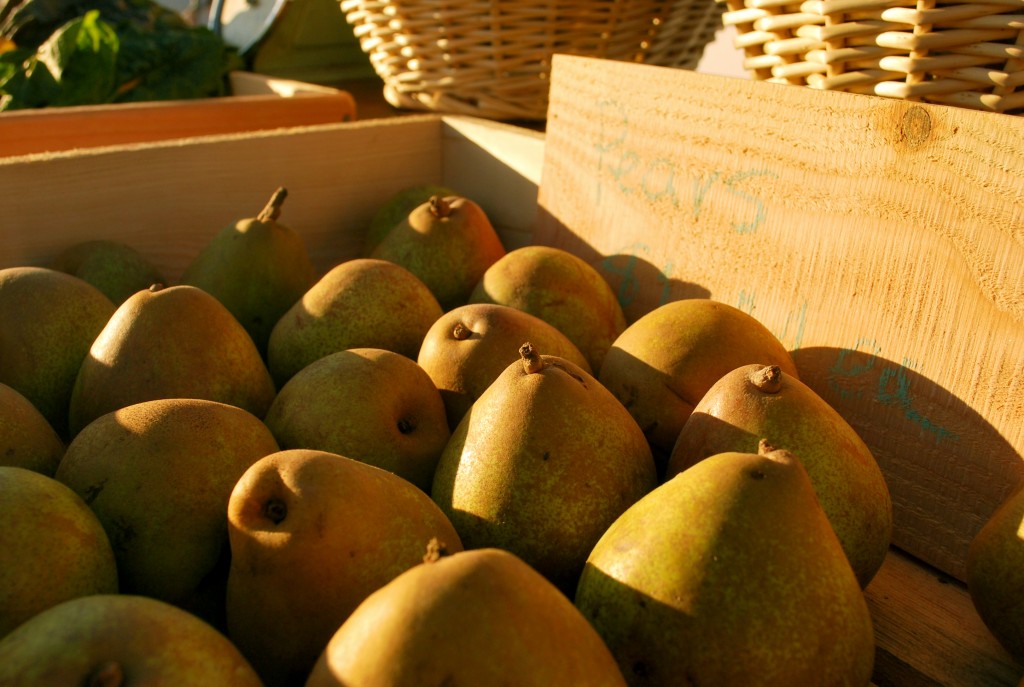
(468, 347)
(995, 573)
(396, 208)
(257, 267)
(448, 242)
(368, 404)
(312, 534)
(755, 402)
(27, 440)
(52, 549)
(544, 461)
(360, 303)
(481, 617)
(665, 362)
(560, 288)
(109, 640)
(170, 342)
(48, 321)
(158, 475)
(114, 267)
(729, 574)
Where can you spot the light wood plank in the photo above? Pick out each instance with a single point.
(880, 240)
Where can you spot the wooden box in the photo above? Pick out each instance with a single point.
(256, 102)
(880, 240)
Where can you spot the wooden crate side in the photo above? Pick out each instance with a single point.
(167, 199)
(880, 240)
(258, 103)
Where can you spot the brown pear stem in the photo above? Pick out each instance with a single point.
(439, 207)
(767, 379)
(764, 447)
(272, 210)
(532, 362)
(110, 674)
(461, 332)
(436, 550)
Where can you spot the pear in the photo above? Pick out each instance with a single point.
(995, 573)
(560, 288)
(312, 535)
(257, 267)
(158, 475)
(114, 267)
(729, 574)
(48, 321)
(665, 362)
(468, 347)
(761, 401)
(481, 617)
(368, 404)
(170, 342)
(52, 549)
(359, 303)
(396, 208)
(448, 242)
(109, 640)
(27, 440)
(544, 461)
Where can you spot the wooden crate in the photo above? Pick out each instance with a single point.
(878, 239)
(256, 102)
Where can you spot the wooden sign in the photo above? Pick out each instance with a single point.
(882, 241)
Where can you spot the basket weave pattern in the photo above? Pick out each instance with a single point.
(967, 54)
(492, 59)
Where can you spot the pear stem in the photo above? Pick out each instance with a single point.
(461, 332)
(532, 362)
(110, 674)
(767, 379)
(439, 207)
(272, 210)
(436, 550)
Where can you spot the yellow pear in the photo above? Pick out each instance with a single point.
(541, 465)
(729, 574)
(110, 640)
(170, 342)
(755, 402)
(27, 440)
(468, 347)
(312, 534)
(665, 362)
(52, 549)
(481, 617)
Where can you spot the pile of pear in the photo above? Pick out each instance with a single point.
(438, 463)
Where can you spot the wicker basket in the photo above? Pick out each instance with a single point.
(967, 54)
(492, 59)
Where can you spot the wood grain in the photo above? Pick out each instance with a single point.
(880, 240)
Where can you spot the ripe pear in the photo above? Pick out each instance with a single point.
(729, 574)
(158, 475)
(312, 534)
(360, 303)
(170, 342)
(257, 267)
(995, 574)
(48, 321)
(368, 404)
(53, 548)
(560, 288)
(481, 617)
(544, 461)
(109, 640)
(468, 347)
(448, 242)
(396, 208)
(27, 440)
(114, 267)
(665, 362)
(761, 401)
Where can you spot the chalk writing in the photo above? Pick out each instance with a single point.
(663, 179)
(624, 264)
(791, 334)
